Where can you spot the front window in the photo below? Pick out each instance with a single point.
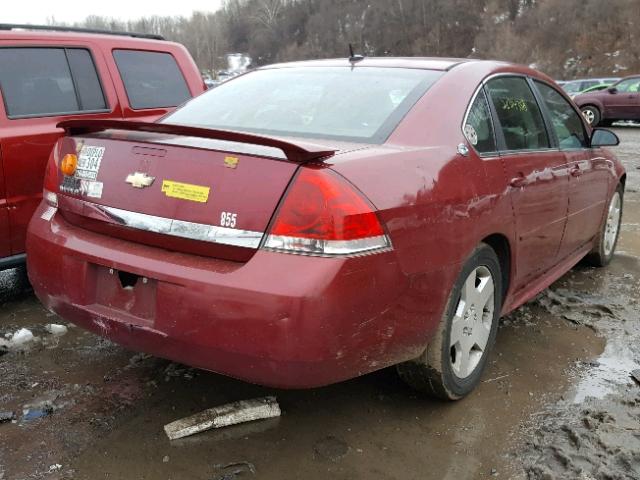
(631, 85)
(360, 104)
(566, 121)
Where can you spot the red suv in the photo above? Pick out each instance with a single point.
(50, 76)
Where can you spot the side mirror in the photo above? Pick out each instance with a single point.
(612, 90)
(601, 137)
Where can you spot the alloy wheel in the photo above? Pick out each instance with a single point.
(589, 115)
(472, 322)
(613, 224)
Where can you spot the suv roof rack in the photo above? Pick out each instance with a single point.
(13, 26)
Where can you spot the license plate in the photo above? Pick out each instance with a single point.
(89, 162)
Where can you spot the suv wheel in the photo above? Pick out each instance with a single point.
(455, 358)
(592, 115)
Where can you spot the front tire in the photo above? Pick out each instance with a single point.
(592, 115)
(607, 239)
(452, 364)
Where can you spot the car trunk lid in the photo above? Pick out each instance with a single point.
(186, 189)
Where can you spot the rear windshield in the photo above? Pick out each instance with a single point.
(362, 104)
(151, 79)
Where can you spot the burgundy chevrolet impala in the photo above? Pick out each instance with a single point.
(307, 223)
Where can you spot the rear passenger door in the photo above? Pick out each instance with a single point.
(41, 86)
(589, 172)
(537, 175)
(152, 83)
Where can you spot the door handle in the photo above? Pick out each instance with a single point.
(576, 171)
(518, 181)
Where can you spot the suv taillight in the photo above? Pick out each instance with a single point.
(323, 214)
(51, 178)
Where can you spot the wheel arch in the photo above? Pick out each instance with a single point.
(502, 247)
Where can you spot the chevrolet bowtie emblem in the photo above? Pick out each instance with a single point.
(140, 180)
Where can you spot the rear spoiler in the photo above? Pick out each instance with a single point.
(300, 152)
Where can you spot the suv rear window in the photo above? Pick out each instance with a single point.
(151, 79)
(49, 81)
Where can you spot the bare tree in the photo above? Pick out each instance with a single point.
(563, 37)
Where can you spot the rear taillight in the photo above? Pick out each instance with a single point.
(63, 160)
(323, 214)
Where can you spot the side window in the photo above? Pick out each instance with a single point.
(151, 79)
(566, 121)
(631, 85)
(478, 128)
(518, 114)
(43, 81)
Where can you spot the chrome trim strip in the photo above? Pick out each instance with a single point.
(182, 229)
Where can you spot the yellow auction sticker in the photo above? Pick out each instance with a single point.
(185, 191)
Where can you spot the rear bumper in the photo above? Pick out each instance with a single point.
(278, 320)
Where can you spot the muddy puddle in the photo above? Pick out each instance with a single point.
(556, 402)
(109, 406)
(594, 431)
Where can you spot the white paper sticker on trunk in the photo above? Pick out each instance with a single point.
(89, 162)
(94, 189)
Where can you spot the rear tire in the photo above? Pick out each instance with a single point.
(592, 115)
(452, 364)
(605, 244)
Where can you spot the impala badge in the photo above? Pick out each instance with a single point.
(140, 180)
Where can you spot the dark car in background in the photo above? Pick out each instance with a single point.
(621, 101)
(575, 87)
(59, 74)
